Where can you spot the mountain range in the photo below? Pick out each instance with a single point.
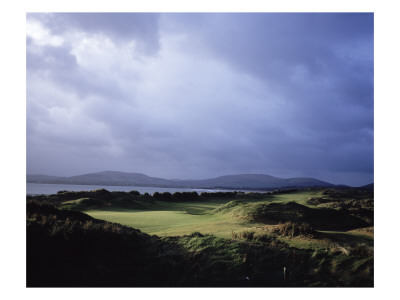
(240, 181)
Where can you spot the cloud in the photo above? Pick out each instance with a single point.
(122, 27)
(200, 95)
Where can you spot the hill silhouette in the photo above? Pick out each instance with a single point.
(240, 181)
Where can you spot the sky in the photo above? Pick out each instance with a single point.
(192, 96)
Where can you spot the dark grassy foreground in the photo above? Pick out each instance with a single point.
(67, 248)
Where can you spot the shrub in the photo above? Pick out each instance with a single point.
(293, 229)
(134, 193)
(196, 234)
(218, 195)
(362, 250)
(185, 196)
(248, 235)
(341, 249)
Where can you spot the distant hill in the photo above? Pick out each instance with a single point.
(241, 181)
(254, 181)
(119, 178)
(367, 187)
(38, 178)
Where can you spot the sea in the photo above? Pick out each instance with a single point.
(33, 189)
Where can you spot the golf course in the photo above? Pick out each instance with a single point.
(324, 236)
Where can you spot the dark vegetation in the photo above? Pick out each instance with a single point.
(104, 200)
(293, 229)
(67, 248)
(273, 213)
(176, 197)
(133, 197)
(357, 202)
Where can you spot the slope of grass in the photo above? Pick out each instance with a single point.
(211, 213)
(272, 213)
(179, 218)
(82, 204)
(68, 248)
(173, 222)
(300, 197)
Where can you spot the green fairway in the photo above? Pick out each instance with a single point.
(179, 218)
(172, 223)
(300, 197)
(183, 218)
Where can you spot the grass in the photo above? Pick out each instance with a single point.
(300, 197)
(91, 252)
(180, 218)
(174, 218)
(173, 222)
(218, 215)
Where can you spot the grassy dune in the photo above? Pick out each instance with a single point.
(179, 218)
(300, 197)
(207, 216)
(176, 218)
(321, 237)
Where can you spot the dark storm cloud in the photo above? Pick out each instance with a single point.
(261, 39)
(317, 55)
(200, 95)
(321, 64)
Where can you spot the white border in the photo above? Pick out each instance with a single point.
(13, 159)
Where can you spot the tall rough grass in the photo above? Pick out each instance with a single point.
(247, 235)
(293, 229)
(360, 250)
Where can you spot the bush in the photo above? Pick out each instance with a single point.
(196, 234)
(218, 195)
(162, 196)
(293, 229)
(247, 235)
(134, 193)
(185, 196)
(362, 250)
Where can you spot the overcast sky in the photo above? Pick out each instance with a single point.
(193, 96)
